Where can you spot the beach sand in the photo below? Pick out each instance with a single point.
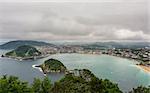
(145, 68)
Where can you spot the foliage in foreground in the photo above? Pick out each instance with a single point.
(141, 89)
(13, 85)
(69, 84)
(73, 84)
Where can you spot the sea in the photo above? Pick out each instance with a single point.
(122, 71)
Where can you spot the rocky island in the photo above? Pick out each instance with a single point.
(52, 65)
(24, 52)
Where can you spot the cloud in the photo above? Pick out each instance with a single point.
(128, 34)
(75, 21)
(71, 0)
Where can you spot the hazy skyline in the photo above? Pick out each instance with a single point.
(81, 21)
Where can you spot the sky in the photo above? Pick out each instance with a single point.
(75, 20)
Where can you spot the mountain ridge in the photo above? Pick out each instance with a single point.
(17, 43)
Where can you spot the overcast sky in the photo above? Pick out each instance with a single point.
(103, 20)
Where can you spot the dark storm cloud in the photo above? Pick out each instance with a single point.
(75, 21)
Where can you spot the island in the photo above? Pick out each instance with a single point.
(52, 65)
(24, 52)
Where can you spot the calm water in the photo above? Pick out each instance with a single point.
(119, 70)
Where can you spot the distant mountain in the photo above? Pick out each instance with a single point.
(24, 51)
(86, 45)
(108, 45)
(17, 43)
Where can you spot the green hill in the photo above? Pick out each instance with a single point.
(24, 51)
(53, 65)
(86, 82)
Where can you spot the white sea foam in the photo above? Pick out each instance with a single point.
(34, 66)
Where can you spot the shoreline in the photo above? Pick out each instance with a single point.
(26, 58)
(144, 68)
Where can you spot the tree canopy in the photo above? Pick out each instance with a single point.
(68, 84)
(86, 82)
(53, 65)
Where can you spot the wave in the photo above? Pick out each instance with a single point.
(34, 66)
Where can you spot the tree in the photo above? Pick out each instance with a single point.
(77, 84)
(13, 85)
(46, 85)
(36, 86)
(141, 89)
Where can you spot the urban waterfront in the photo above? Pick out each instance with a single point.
(119, 70)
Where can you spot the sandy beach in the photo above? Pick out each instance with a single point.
(145, 68)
